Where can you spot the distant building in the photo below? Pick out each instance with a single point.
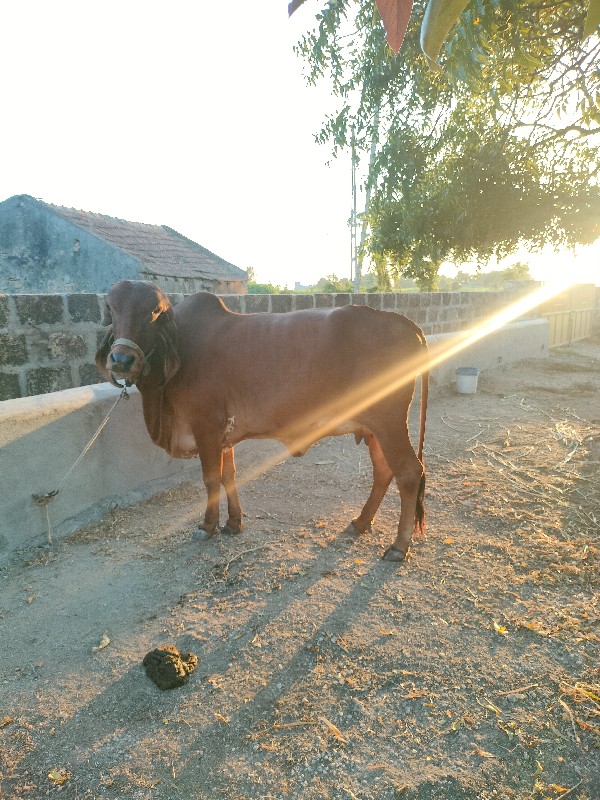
(50, 249)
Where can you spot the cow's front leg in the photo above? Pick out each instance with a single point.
(211, 456)
(234, 509)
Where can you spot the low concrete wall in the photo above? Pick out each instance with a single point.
(517, 341)
(41, 437)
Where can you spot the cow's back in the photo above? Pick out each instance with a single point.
(269, 371)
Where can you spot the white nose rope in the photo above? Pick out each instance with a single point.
(130, 344)
(44, 499)
(133, 346)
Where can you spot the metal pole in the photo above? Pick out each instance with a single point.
(365, 224)
(353, 248)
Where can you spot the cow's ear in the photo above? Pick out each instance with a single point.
(168, 346)
(107, 318)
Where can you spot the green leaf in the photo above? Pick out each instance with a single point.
(592, 20)
(530, 62)
(440, 16)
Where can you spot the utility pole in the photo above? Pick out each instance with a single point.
(358, 252)
(353, 222)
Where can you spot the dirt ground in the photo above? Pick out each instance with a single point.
(469, 672)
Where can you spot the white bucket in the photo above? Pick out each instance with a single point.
(466, 379)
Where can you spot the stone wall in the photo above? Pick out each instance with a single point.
(48, 341)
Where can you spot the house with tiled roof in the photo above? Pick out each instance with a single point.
(51, 249)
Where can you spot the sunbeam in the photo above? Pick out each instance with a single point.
(334, 416)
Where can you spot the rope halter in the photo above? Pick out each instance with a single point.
(145, 359)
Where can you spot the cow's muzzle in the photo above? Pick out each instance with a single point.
(120, 362)
(126, 365)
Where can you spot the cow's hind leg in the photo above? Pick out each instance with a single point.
(234, 510)
(410, 478)
(211, 459)
(382, 477)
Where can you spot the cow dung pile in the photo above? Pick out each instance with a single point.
(169, 668)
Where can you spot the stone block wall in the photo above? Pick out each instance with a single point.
(435, 312)
(48, 341)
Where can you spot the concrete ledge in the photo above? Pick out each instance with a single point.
(42, 436)
(517, 341)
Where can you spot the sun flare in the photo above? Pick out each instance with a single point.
(390, 381)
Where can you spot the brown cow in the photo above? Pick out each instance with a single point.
(210, 378)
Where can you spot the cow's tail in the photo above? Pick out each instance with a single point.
(420, 508)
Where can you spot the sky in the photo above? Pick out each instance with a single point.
(190, 114)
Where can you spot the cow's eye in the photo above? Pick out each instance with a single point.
(156, 313)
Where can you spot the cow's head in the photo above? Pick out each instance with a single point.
(142, 336)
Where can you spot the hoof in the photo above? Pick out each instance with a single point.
(354, 531)
(201, 535)
(231, 530)
(392, 554)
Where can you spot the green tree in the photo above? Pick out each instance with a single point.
(518, 272)
(263, 288)
(333, 284)
(494, 151)
(486, 281)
